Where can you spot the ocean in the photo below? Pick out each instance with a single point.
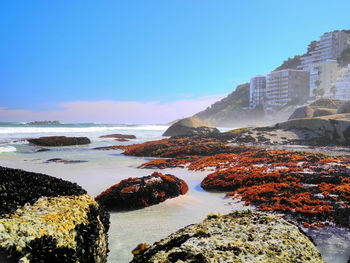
(101, 169)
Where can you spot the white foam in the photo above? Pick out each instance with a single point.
(22, 130)
(6, 149)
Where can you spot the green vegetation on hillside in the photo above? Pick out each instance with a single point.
(344, 59)
(234, 101)
(291, 63)
(229, 109)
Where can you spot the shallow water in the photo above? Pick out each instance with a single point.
(105, 168)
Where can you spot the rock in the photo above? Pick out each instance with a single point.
(238, 237)
(59, 160)
(172, 147)
(330, 129)
(345, 108)
(327, 103)
(119, 136)
(42, 150)
(45, 219)
(190, 127)
(318, 112)
(107, 148)
(134, 193)
(321, 107)
(59, 141)
(121, 140)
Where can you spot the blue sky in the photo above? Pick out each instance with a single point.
(149, 52)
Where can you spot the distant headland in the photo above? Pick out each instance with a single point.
(44, 122)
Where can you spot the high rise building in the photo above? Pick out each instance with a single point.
(343, 85)
(323, 75)
(257, 92)
(330, 46)
(286, 85)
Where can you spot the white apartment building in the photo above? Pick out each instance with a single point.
(257, 92)
(326, 73)
(286, 85)
(330, 46)
(343, 85)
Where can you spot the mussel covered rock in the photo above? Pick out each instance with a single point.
(45, 219)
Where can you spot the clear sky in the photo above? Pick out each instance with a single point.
(122, 61)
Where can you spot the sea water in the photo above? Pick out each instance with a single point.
(102, 169)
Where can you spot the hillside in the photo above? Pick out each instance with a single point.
(232, 111)
(228, 112)
(291, 63)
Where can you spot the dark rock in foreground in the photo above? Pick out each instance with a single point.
(45, 219)
(190, 127)
(119, 136)
(135, 193)
(238, 237)
(59, 141)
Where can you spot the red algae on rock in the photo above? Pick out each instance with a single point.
(135, 193)
(309, 187)
(175, 147)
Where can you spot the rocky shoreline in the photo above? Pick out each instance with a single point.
(311, 190)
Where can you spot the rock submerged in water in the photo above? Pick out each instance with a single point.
(135, 193)
(238, 237)
(42, 150)
(119, 136)
(59, 141)
(46, 219)
(59, 160)
(191, 127)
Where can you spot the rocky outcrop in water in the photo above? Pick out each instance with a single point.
(238, 237)
(44, 122)
(119, 136)
(42, 150)
(59, 160)
(45, 219)
(59, 141)
(190, 127)
(135, 193)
